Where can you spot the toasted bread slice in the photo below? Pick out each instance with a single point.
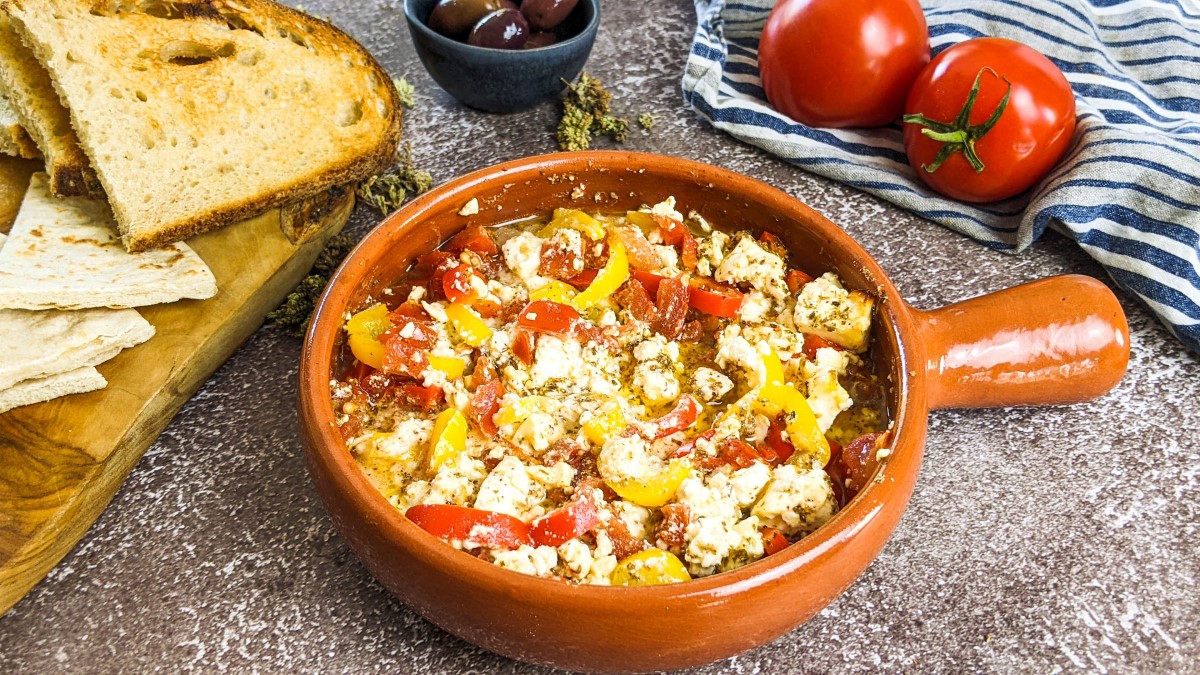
(199, 113)
(13, 139)
(27, 86)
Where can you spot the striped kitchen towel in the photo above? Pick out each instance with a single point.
(1128, 190)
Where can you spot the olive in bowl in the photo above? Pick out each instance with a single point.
(498, 56)
(1058, 340)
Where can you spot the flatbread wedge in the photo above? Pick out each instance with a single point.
(64, 253)
(26, 85)
(200, 113)
(78, 381)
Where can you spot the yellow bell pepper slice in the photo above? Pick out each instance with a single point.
(449, 437)
(575, 220)
(467, 324)
(642, 219)
(608, 421)
(608, 280)
(657, 490)
(452, 366)
(772, 366)
(803, 431)
(522, 408)
(364, 329)
(649, 568)
(555, 291)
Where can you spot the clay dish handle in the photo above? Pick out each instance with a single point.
(1064, 339)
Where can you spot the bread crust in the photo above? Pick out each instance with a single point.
(364, 162)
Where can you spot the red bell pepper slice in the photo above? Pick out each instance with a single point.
(795, 279)
(470, 526)
(713, 298)
(773, 445)
(563, 524)
(690, 446)
(682, 416)
(456, 283)
(813, 342)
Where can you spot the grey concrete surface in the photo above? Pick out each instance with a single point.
(1038, 540)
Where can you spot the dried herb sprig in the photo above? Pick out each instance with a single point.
(586, 108)
(388, 190)
(405, 91)
(296, 310)
(646, 120)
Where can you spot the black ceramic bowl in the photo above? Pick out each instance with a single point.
(502, 80)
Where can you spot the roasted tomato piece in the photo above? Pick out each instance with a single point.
(408, 311)
(690, 446)
(457, 284)
(713, 298)
(774, 448)
(485, 403)
(547, 316)
(563, 524)
(424, 399)
(559, 262)
(773, 244)
(739, 453)
(470, 526)
(795, 279)
(672, 530)
(672, 308)
(640, 252)
(473, 238)
(812, 343)
(692, 332)
(486, 308)
(429, 270)
(859, 458)
(402, 357)
(483, 373)
(522, 346)
(689, 251)
(583, 279)
(774, 541)
(672, 231)
(624, 543)
(633, 297)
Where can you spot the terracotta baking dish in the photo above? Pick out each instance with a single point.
(1059, 340)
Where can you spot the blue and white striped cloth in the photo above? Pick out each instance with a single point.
(1128, 190)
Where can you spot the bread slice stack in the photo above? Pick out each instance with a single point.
(158, 120)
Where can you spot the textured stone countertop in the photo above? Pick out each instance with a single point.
(1037, 539)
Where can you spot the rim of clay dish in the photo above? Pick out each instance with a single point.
(895, 324)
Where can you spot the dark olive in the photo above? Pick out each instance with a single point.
(454, 18)
(546, 14)
(503, 29)
(540, 39)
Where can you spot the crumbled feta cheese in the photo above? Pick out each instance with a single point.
(755, 307)
(752, 264)
(666, 209)
(636, 518)
(710, 251)
(826, 309)
(454, 482)
(796, 501)
(523, 255)
(717, 535)
(538, 431)
(510, 489)
(538, 562)
(734, 350)
(650, 348)
(709, 384)
(747, 484)
(470, 208)
(825, 394)
(436, 311)
(669, 257)
(416, 294)
(577, 558)
(654, 383)
(625, 459)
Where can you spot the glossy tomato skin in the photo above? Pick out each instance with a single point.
(834, 63)
(1030, 137)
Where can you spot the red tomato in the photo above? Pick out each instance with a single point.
(713, 298)
(567, 522)
(685, 412)
(522, 346)
(473, 238)
(796, 279)
(470, 526)
(832, 63)
(485, 403)
(971, 157)
(773, 541)
(547, 316)
(456, 283)
(672, 297)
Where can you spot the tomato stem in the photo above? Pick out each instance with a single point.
(960, 135)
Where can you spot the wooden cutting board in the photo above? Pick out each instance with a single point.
(62, 461)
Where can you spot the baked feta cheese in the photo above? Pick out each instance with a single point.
(826, 309)
(654, 383)
(523, 255)
(796, 501)
(709, 384)
(538, 562)
(826, 396)
(626, 459)
(750, 263)
(510, 489)
(717, 536)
